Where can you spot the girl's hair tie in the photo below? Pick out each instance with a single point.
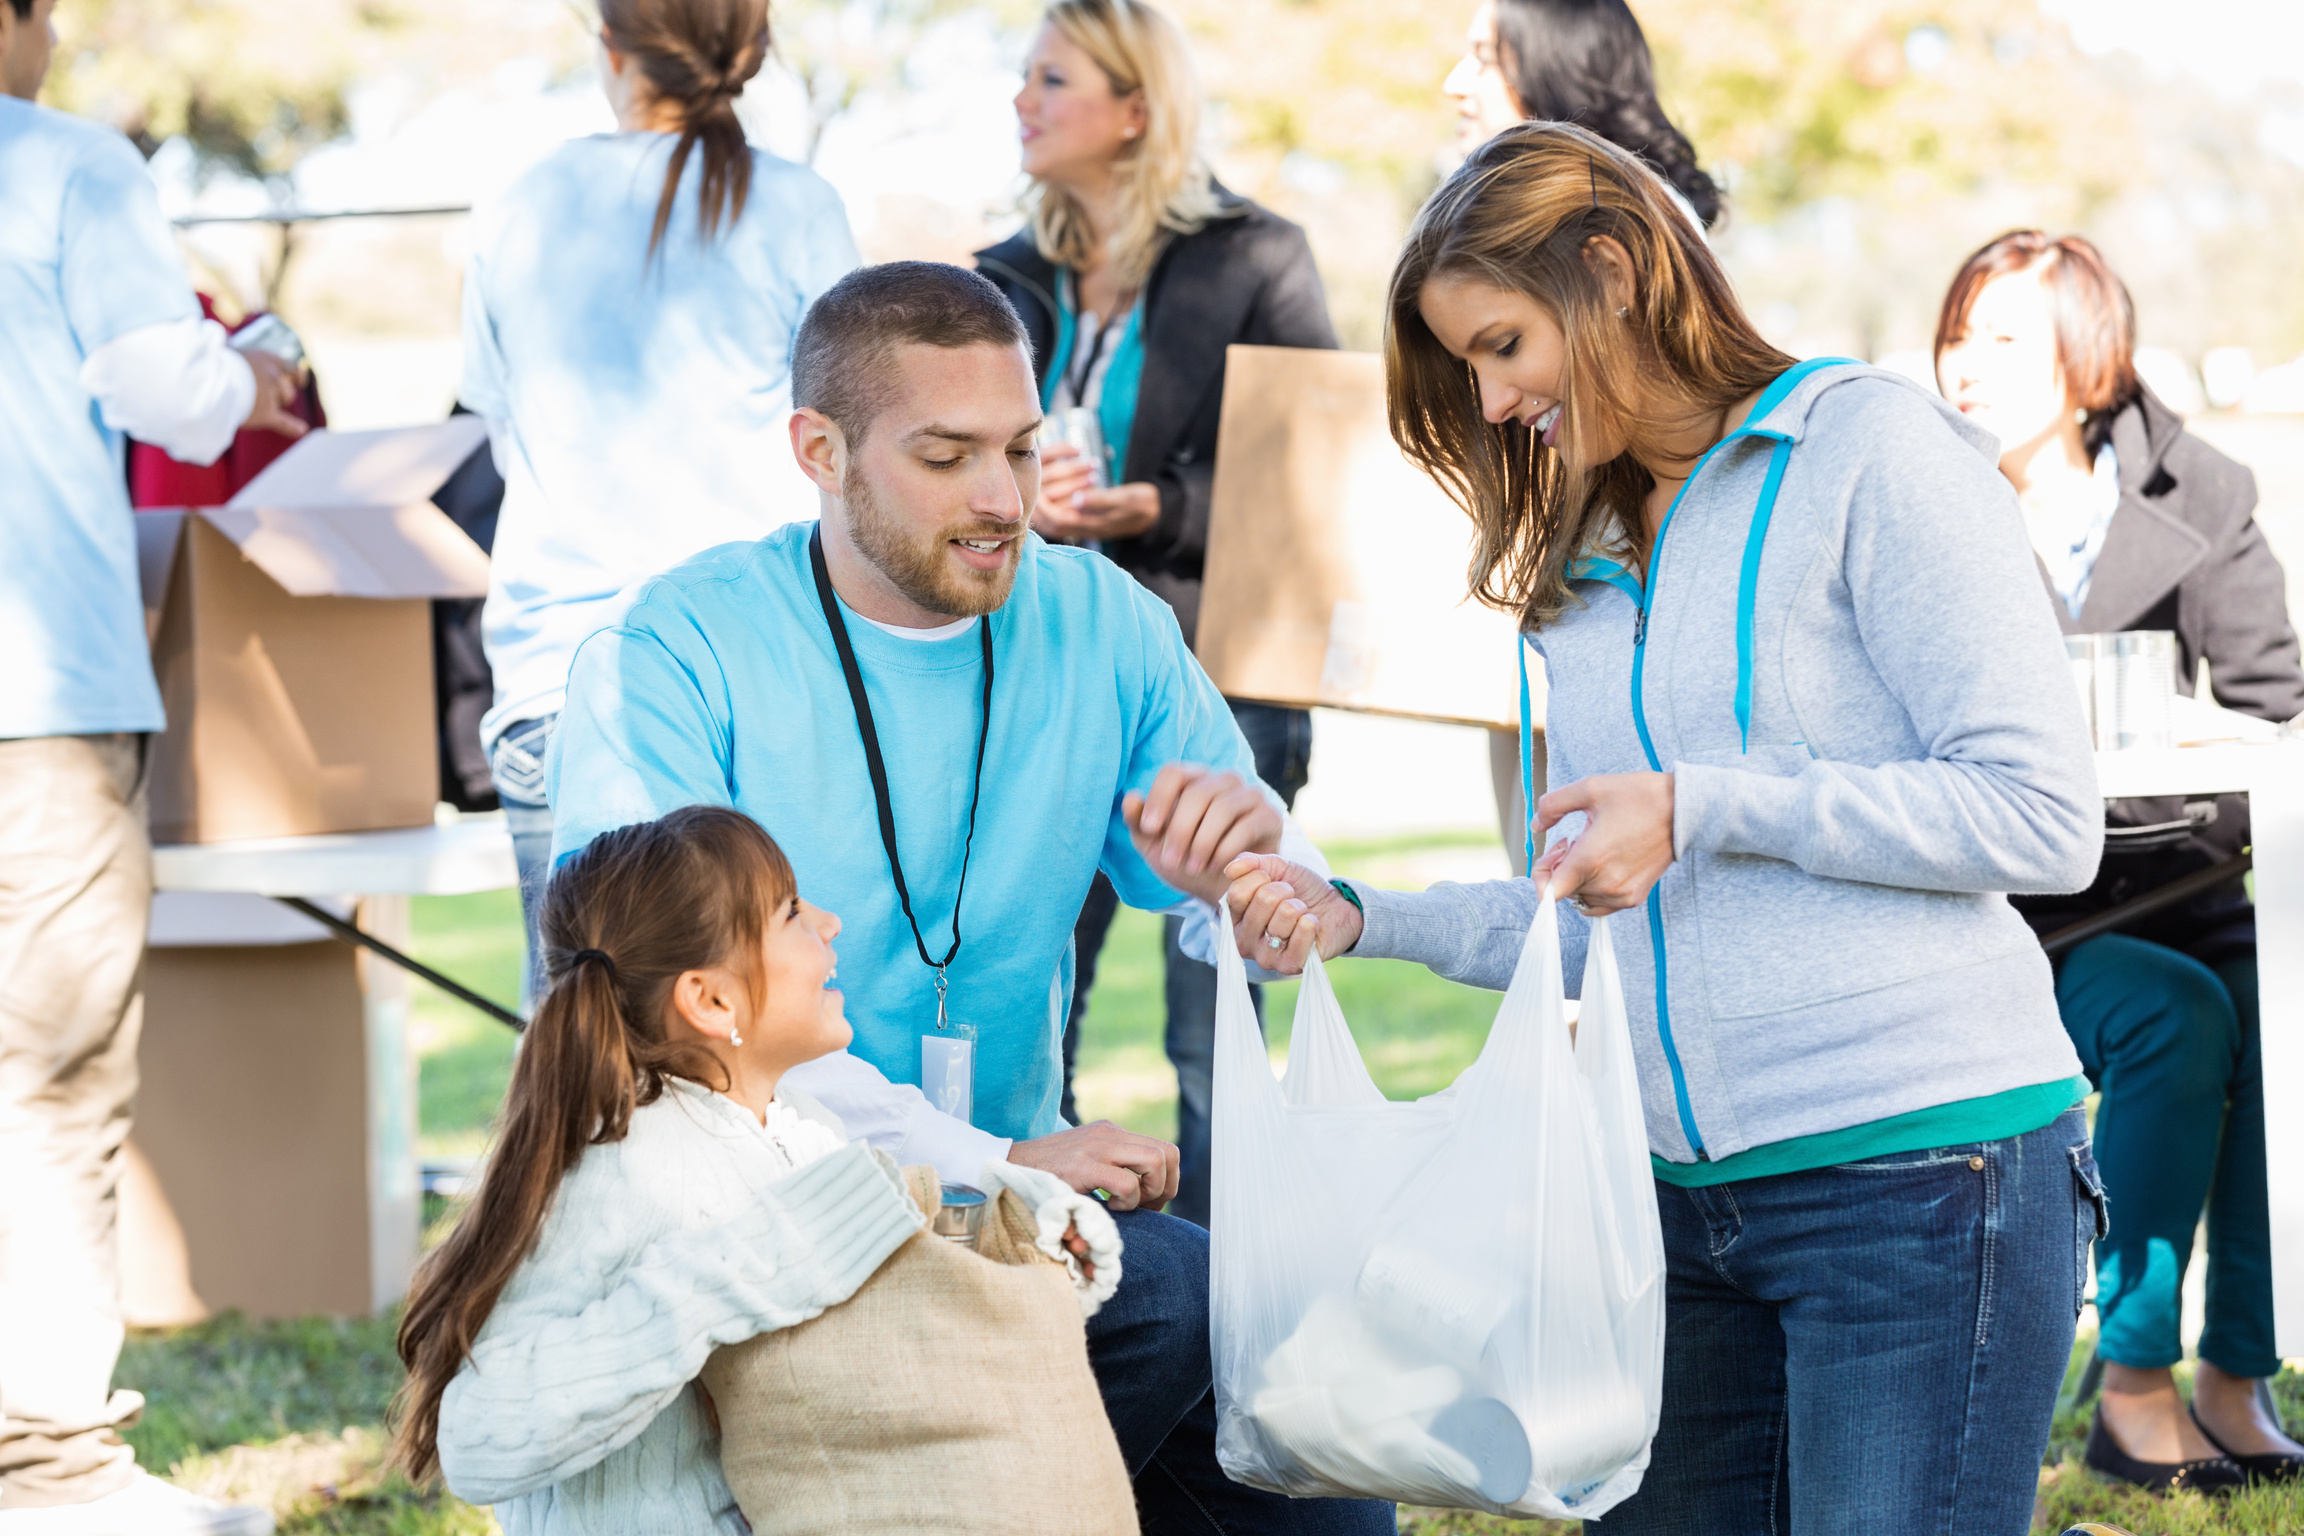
(600, 955)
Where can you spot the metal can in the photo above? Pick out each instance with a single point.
(961, 1216)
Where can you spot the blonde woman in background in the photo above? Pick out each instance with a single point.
(1133, 273)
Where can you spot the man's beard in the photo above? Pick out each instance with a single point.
(917, 565)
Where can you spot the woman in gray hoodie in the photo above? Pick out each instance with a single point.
(1809, 715)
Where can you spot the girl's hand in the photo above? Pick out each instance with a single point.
(1625, 847)
(1077, 1246)
(1274, 899)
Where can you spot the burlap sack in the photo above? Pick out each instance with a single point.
(950, 1393)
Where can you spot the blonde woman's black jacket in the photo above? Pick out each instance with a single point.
(2184, 553)
(1244, 278)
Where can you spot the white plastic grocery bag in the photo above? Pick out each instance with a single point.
(1457, 1301)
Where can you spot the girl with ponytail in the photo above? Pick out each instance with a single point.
(629, 309)
(655, 1191)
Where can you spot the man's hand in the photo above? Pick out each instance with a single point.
(1274, 899)
(1626, 844)
(1196, 821)
(279, 383)
(1136, 1172)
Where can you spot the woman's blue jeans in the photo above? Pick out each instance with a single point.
(516, 763)
(2173, 1046)
(1871, 1347)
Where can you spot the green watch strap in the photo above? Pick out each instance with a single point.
(1349, 895)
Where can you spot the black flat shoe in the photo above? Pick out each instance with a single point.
(2210, 1474)
(2271, 1467)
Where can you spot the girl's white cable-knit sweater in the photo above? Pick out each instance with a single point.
(577, 1411)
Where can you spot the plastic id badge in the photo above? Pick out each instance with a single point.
(948, 1070)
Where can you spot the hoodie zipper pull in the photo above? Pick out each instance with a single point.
(1640, 628)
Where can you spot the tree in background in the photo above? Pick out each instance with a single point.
(1867, 145)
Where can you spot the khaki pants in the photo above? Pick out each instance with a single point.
(75, 899)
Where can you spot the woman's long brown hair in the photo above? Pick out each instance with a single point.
(1518, 216)
(621, 921)
(697, 56)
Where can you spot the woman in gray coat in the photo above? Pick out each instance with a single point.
(1808, 720)
(2137, 524)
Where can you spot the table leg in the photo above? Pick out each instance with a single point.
(2276, 815)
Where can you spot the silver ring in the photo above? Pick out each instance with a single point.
(1581, 905)
(1272, 943)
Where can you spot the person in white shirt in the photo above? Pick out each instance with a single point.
(628, 320)
(659, 1189)
(102, 338)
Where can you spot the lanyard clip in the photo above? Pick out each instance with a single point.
(941, 984)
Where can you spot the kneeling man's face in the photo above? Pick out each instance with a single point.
(941, 493)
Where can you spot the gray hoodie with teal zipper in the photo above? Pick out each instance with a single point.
(1831, 945)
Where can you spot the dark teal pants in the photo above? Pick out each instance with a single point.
(2172, 1045)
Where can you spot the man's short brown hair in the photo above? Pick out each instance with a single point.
(844, 359)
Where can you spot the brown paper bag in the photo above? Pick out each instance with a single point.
(1336, 569)
(950, 1393)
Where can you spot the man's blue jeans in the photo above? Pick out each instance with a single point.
(516, 763)
(1872, 1347)
(1149, 1347)
(2175, 1048)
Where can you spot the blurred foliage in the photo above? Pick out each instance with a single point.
(254, 85)
(1867, 145)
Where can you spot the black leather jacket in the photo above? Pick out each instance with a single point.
(1246, 277)
(2184, 553)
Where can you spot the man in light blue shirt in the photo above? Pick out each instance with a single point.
(1035, 717)
(99, 335)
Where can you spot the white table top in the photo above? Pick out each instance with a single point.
(2221, 769)
(474, 854)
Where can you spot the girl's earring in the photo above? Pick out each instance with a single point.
(1622, 310)
(734, 1038)
(2080, 415)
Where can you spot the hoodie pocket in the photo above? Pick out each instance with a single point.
(1777, 939)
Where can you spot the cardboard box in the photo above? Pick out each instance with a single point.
(1336, 570)
(291, 634)
(271, 1167)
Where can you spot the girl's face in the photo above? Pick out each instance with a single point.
(2002, 371)
(1485, 105)
(802, 1016)
(1072, 124)
(1517, 351)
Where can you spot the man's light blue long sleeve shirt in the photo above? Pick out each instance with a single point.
(720, 686)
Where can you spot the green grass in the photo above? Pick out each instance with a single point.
(289, 1414)
(465, 1057)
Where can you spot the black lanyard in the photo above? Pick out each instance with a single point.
(879, 768)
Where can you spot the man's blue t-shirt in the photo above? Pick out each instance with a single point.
(85, 258)
(721, 687)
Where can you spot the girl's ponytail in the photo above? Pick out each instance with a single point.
(697, 56)
(621, 922)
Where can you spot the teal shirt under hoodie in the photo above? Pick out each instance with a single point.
(1831, 947)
